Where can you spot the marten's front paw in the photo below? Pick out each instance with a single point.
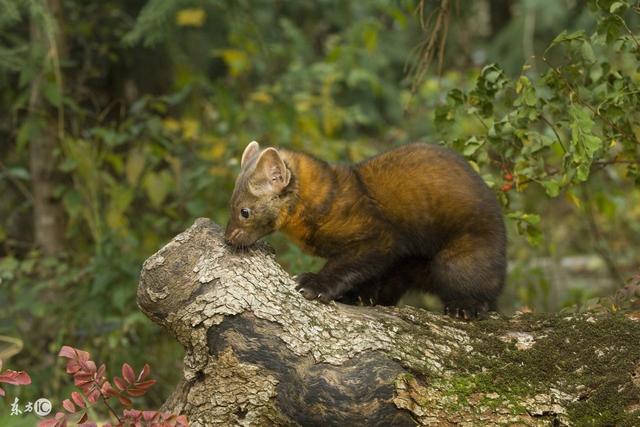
(466, 311)
(312, 287)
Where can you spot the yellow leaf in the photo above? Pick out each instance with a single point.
(120, 198)
(116, 219)
(190, 128)
(370, 36)
(237, 60)
(157, 186)
(191, 17)
(218, 171)
(170, 124)
(217, 151)
(262, 97)
(135, 164)
(573, 199)
(308, 125)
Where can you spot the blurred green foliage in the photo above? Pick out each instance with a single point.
(152, 102)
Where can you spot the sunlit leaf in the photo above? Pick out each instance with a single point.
(192, 17)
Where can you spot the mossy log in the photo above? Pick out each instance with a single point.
(258, 353)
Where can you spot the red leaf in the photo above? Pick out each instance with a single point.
(77, 399)
(69, 406)
(128, 374)
(83, 376)
(119, 382)
(145, 384)
(15, 378)
(60, 420)
(83, 419)
(93, 396)
(150, 415)
(135, 392)
(132, 413)
(107, 390)
(82, 355)
(88, 366)
(68, 352)
(125, 401)
(182, 420)
(73, 367)
(101, 370)
(1, 392)
(81, 382)
(144, 373)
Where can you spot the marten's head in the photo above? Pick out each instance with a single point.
(259, 197)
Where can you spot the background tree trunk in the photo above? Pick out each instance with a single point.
(500, 14)
(258, 353)
(48, 213)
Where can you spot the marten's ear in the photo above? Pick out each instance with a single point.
(249, 152)
(271, 174)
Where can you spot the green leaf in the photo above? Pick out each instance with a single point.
(135, 165)
(471, 146)
(587, 52)
(592, 144)
(618, 6)
(28, 131)
(527, 225)
(567, 37)
(551, 187)
(52, 94)
(19, 172)
(157, 186)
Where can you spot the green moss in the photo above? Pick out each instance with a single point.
(566, 358)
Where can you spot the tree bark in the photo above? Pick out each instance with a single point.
(48, 213)
(258, 353)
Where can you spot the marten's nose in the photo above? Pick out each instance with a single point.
(230, 235)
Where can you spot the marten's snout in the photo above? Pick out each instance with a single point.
(230, 235)
(237, 238)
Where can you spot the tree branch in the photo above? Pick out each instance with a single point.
(258, 353)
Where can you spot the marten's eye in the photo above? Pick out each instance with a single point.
(244, 212)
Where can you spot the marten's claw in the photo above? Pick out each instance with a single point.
(466, 313)
(312, 288)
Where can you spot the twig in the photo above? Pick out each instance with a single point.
(616, 162)
(544, 119)
(481, 121)
(629, 31)
(106, 403)
(596, 237)
(431, 45)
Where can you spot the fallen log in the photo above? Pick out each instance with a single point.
(258, 353)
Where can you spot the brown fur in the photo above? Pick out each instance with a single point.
(414, 217)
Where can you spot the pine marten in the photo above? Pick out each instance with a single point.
(414, 217)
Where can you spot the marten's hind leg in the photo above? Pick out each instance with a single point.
(468, 275)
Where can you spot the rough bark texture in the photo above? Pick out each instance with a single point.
(48, 212)
(258, 353)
